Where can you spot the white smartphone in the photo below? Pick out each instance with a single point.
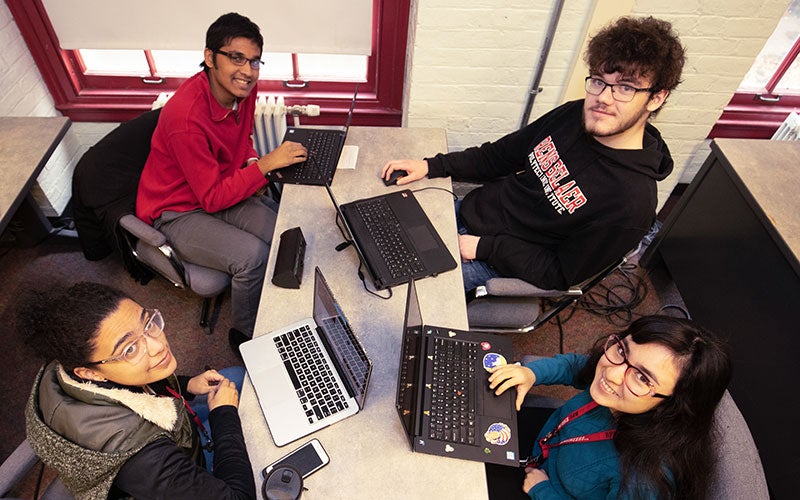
(306, 459)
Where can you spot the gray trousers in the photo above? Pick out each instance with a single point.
(236, 241)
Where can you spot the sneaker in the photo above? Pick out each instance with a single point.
(235, 339)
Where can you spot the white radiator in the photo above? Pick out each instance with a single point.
(270, 123)
(270, 119)
(789, 129)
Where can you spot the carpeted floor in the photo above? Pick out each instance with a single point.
(60, 260)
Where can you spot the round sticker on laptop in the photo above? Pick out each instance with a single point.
(492, 360)
(498, 434)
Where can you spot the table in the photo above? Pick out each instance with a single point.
(732, 245)
(26, 143)
(370, 454)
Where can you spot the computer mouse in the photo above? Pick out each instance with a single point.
(394, 176)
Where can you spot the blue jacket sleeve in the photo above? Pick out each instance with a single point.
(560, 369)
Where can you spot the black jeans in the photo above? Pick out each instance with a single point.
(505, 482)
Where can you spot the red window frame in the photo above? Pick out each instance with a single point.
(115, 99)
(758, 114)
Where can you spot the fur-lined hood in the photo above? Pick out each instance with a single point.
(87, 432)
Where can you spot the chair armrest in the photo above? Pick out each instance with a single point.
(143, 231)
(514, 287)
(16, 467)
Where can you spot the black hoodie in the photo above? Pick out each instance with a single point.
(556, 205)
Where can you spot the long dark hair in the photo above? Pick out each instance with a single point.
(62, 322)
(673, 446)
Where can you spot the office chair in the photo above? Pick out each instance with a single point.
(104, 187)
(511, 305)
(18, 465)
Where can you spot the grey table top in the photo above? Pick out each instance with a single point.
(26, 144)
(770, 172)
(369, 452)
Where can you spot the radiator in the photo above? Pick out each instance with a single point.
(270, 123)
(270, 120)
(789, 129)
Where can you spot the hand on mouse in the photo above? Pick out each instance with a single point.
(414, 169)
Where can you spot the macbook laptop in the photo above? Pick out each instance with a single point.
(443, 395)
(324, 145)
(394, 238)
(310, 374)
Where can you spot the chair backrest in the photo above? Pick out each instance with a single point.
(104, 186)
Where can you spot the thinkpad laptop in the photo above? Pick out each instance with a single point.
(310, 374)
(324, 145)
(443, 395)
(394, 238)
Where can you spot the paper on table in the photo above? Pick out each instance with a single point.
(348, 157)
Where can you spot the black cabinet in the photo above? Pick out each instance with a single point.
(731, 245)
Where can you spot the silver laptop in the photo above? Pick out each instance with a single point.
(310, 374)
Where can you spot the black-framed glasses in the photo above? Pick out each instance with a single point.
(240, 60)
(134, 351)
(637, 382)
(621, 92)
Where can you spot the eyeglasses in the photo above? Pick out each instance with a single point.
(636, 381)
(619, 91)
(240, 60)
(135, 350)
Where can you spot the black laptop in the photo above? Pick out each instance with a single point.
(443, 395)
(324, 145)
(394, 238)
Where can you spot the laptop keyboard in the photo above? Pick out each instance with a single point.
(313, 379)
(453, 389)
(353, 355)
(321, 145)
(385, 230)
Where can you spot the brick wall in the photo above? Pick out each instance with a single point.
(472, 64)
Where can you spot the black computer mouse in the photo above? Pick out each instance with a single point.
(394, 176)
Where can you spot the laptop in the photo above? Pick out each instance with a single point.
(394, 238)
(443, 395)
(310, 374)
(325, 145)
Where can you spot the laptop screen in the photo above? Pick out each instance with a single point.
(407, 386)
(345, 347)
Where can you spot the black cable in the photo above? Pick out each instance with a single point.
(347, 242)
(614, 300)
(455, 197)
(38, 482)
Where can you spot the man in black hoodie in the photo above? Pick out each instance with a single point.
(576, 189)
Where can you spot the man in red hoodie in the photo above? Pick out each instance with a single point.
(203, 182)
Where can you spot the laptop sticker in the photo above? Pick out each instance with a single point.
(492, 360)
(498, 434)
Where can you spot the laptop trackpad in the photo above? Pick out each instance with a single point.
(497, 406)
(422, 238)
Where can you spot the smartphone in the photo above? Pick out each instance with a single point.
(306, 459)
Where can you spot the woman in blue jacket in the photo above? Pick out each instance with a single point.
(641, 428)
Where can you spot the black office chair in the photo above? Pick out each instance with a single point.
(511, 305)
(104, 188)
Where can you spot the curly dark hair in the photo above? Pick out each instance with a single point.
(62, 322)
(672, 446)
(229, 26)
(638, 47)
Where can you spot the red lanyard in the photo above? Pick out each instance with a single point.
(209, 443)
(587, 438)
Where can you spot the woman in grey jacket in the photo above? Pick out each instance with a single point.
(108, 413)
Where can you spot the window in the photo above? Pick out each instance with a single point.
(116, 85)
(771, 89)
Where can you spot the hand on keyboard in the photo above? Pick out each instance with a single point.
(288, 153)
